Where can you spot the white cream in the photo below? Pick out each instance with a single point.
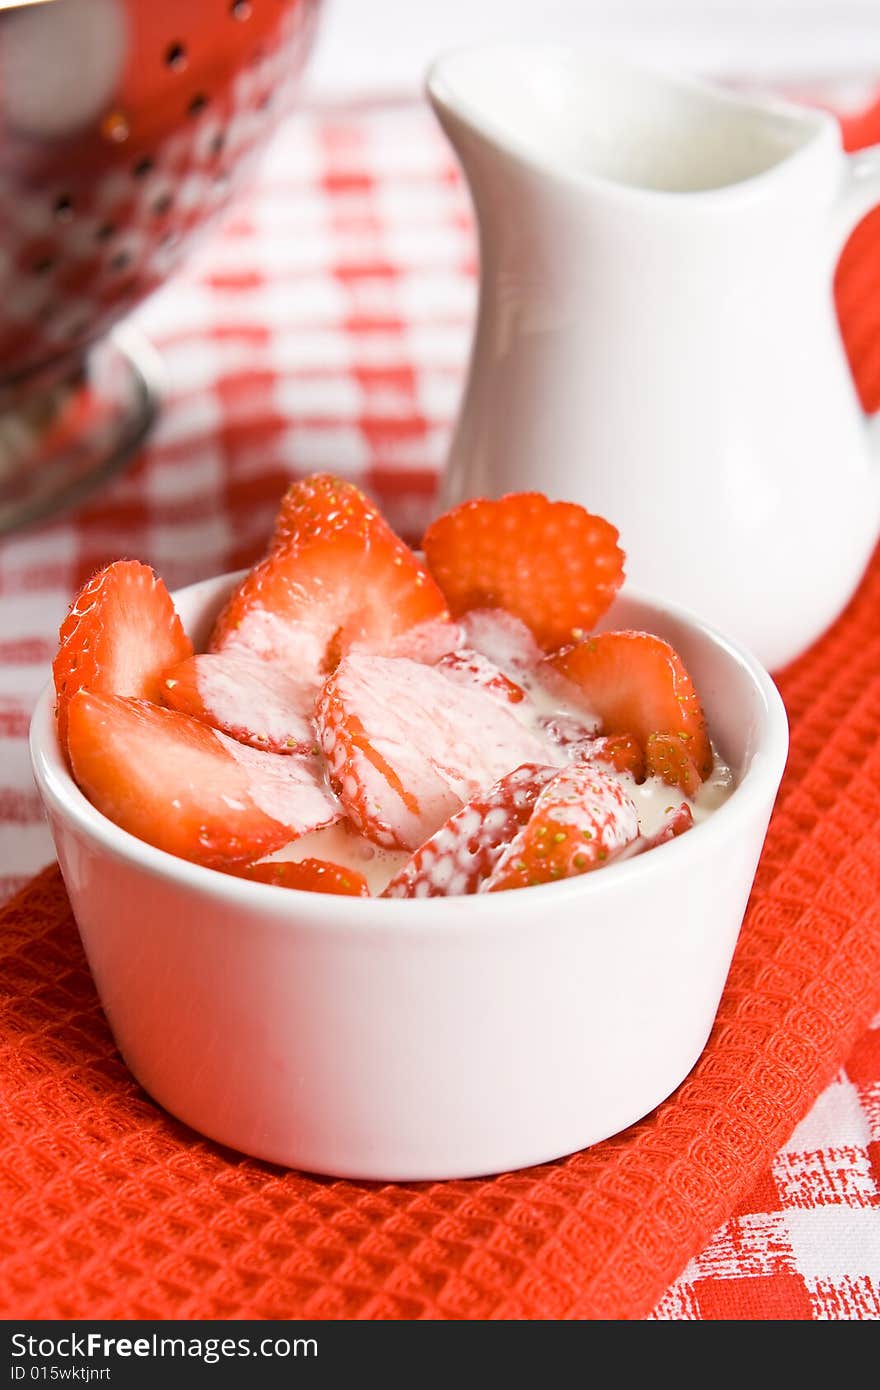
(339, 845)
(509, 645)
(295, 646)
(654, 799)
(543, 704)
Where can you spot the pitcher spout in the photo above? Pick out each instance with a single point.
(577, 117)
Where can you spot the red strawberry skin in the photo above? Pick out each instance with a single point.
(551, 564)
(309, 875)
(668, 757)
(459, 857)
(119, 637)
(253, 701)
(187, 789)
(637, 684)
(336, 577)
(582, 819)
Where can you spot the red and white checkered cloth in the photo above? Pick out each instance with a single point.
(327, 328)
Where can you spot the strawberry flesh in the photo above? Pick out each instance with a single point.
(119, 637)
(406, 748)
(668, 757)
(502, 638)
(471, 668)
(620, 751)
(550, 564)
(336, 577)
(251, 700)
(186, 788)
(569, 732)
(308, 875)
(636, 683)
(428, 642)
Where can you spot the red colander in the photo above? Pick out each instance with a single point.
(125, 125)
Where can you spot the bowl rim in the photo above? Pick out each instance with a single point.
(753, 793)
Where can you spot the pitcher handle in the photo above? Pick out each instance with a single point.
(861, 193)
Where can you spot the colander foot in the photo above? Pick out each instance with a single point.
(61, 439)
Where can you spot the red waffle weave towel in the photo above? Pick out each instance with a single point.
(111, 1209)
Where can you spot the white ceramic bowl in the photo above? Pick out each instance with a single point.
(422, 1039)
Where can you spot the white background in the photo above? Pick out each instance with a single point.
(373, 46)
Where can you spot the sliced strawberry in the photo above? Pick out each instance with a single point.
(551, 564)
(675, 824)
(464, 851)
(309, 875)
(336, 577)
(637, 684)
(406, 747)
(188, 789)
(582, 819)
(669, 757)
(620, 751)
(119, 637)
(467, 667)
(251, 700)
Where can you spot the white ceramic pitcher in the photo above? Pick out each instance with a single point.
(656, 335)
